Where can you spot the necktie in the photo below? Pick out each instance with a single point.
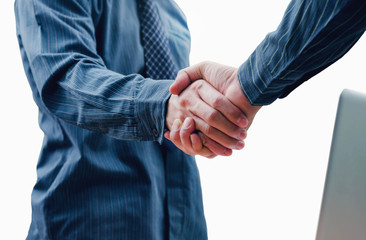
(158, 60)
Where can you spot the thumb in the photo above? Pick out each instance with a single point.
(185, 77)
(181, 82)
(188, 125)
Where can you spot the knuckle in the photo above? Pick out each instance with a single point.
(235, 112)
(217, 102)
(174, 136)
(184, 101)
(213, 116)
(197, 85)
(184, 134)
(206, 66)
(206, 63)
(194, 106)
(209, 130)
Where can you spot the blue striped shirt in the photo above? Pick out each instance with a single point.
(104, 171)
(313, 34)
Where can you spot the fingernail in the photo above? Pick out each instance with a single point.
(187, 124)
(176, 125)
(228, 152)
(242, 134)
(239, 145)
(243, 121)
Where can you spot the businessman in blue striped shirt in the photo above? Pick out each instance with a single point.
(105, 170)
(100, 73)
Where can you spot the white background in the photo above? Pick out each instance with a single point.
(270, 190)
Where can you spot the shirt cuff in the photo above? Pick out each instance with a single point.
(151, 109)
(257, 82)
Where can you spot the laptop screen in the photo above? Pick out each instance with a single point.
(343, 211)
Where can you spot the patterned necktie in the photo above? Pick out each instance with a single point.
(158, 60)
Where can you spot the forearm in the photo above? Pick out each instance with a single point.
(311, 36)
(125, 107)
(72, 82)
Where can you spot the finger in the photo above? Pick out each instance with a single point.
(174, 134)
(199, 148)
(186, 76)
(245, 133)
(167, 135)
(211, 150)
(219, 102)
(181, 82)
(217, 136)
(191, 141)
(214, 146)
(215, 119)
(186, 130)
(196, 142)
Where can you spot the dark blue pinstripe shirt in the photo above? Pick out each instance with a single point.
(102, 173)
(312, 35)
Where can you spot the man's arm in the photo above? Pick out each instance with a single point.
(58, 42)
(311, 36)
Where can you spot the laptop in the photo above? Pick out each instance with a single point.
(343, 210)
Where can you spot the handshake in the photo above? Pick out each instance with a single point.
(208, 113)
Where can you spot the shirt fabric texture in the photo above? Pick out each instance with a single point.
(104, 170)
(313, 35)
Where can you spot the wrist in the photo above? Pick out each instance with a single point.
(236, 95)
(172, 111)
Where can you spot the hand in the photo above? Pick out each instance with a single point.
(208, 111)
(221, 77)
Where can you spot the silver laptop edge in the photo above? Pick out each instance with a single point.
(343, 210)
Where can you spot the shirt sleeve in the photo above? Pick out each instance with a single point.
(313, 34)
(57, 40)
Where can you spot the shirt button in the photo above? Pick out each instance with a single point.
(155, 132)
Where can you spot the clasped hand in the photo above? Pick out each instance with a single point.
(208, 114)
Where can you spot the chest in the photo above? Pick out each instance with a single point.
(118, 36)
